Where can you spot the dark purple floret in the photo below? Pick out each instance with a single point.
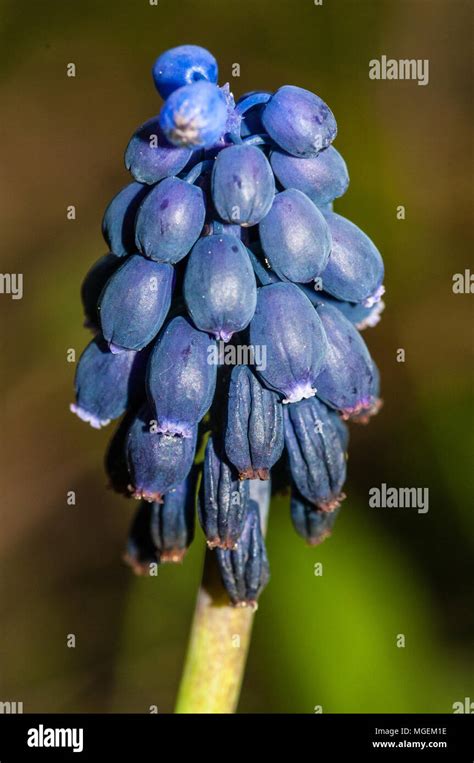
(312, 524)
(348, 380)
(223, 498)
(254, 427)
(172, 522)
(316, 453)
(106, 384)
(157, 462)
(245, 570)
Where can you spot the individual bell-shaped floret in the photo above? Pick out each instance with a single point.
(348, 379)
(312, 524)
(172, 522)
(170, 220)
(92, 286)
(288, 326)
(254, 428)
(183, 65)
(243, 185)
(135, 303)
(106, 384)
(299, 121)
(223, 498)
(150, 157)
(219, 286)
(315, 451)
(355, 268)
(245, 570)
(181, 377)
(118, 223)
(157, 462)
(295, 237)
(195, 115)
(322, 178)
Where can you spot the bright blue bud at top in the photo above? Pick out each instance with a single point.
(183, 66)
(195, 115)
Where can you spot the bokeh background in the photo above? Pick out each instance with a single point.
(328, 640)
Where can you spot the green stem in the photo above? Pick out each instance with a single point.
(219, 641)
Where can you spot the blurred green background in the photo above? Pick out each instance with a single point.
(328, 640)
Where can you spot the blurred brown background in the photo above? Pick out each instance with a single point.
(327, 640)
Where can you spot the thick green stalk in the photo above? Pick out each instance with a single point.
(219, 641)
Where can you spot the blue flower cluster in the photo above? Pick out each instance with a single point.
(227, 234)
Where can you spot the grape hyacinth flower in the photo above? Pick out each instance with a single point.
(227, 234)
